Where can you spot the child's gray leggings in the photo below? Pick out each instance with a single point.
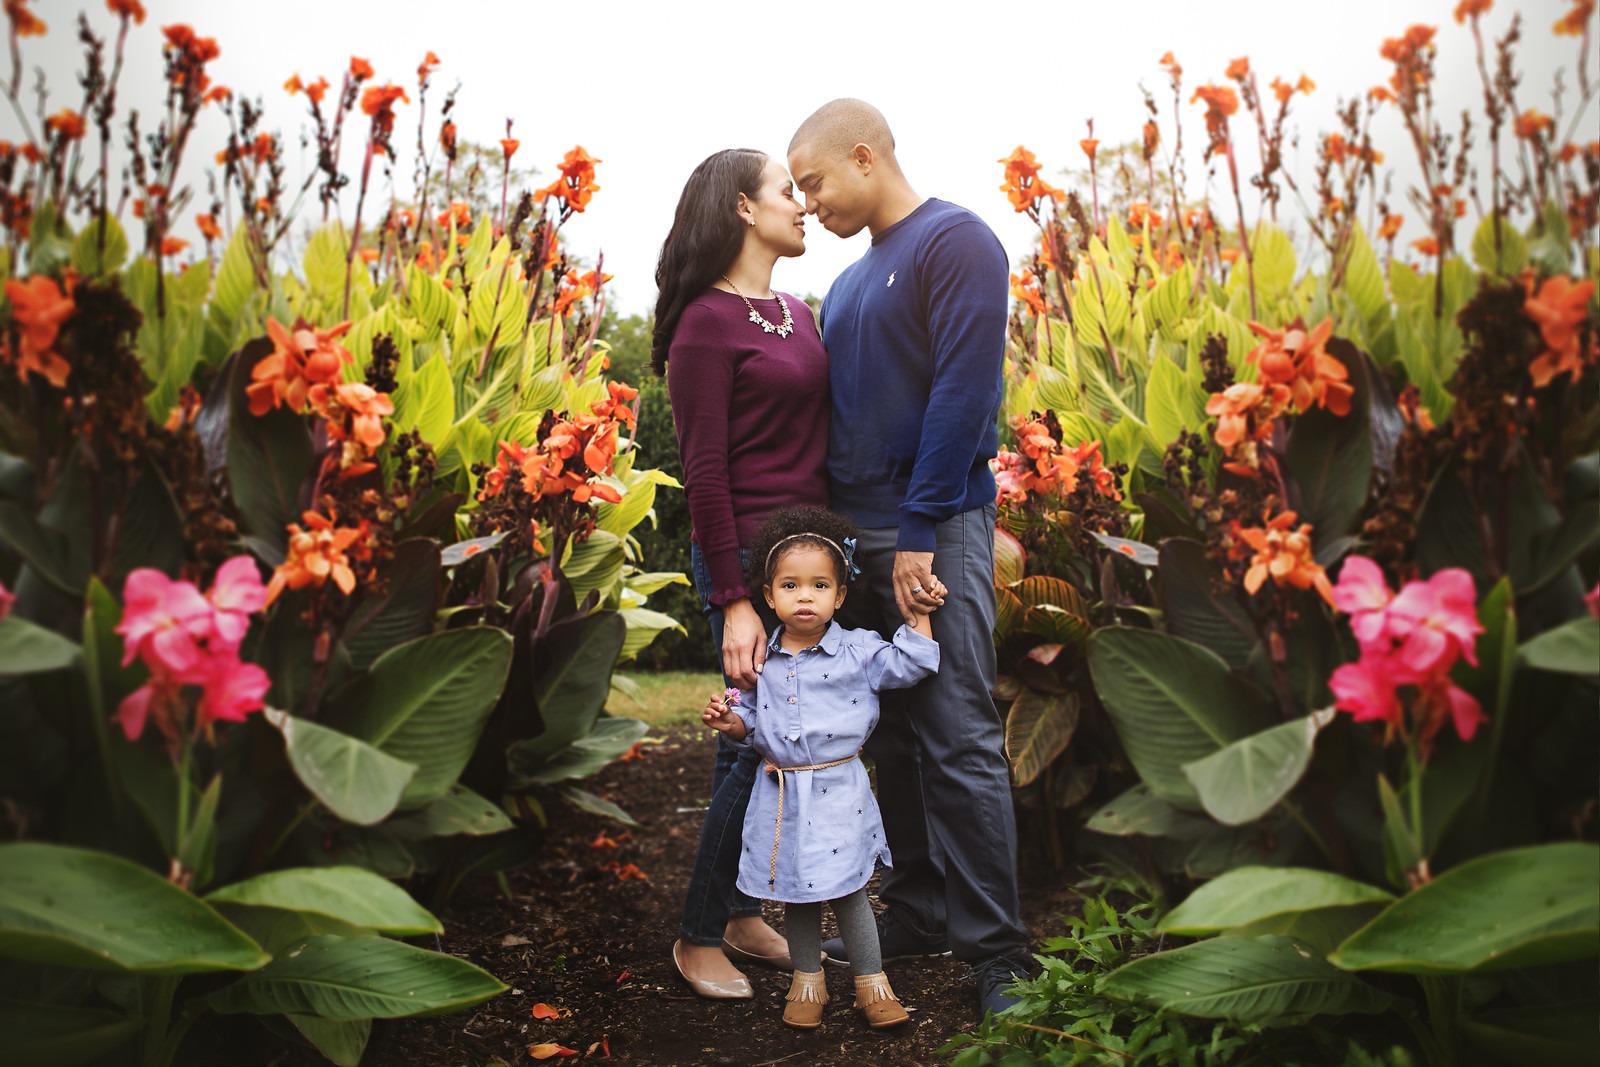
(802, 925)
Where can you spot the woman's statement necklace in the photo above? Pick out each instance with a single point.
(782, 329)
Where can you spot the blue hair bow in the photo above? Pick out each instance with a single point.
(850, 559)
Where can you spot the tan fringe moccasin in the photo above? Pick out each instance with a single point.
(807, 994)
(877, 1003)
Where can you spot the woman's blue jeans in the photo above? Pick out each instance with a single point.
(713, 897)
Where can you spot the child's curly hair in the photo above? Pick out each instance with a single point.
(789, 528)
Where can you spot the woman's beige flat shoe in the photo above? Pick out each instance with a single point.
(779, 963)
(738, 989)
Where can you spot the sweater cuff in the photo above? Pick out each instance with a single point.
(723, 597)
(916, 533)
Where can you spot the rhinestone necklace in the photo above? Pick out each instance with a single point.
(782, 329)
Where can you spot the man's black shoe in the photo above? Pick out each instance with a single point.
(995, 976)
(895, 942)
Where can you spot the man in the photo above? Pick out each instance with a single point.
(915, 331)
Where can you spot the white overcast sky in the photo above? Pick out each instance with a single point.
(652, 87)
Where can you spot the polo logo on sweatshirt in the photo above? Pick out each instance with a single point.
(891, 276)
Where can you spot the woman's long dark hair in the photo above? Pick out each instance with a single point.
(705, 238)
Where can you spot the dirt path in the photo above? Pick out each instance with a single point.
(585, 937)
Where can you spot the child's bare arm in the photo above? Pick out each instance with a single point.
(721, 718)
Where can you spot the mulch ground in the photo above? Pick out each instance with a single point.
(584, 936)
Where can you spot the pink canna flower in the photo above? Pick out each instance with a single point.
(1368, 689)
(233, 688)
(7, 599)
(163, 621)
(1363, 594)
(235, 594)
(1436, 620)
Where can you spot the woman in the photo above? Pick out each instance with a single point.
(749, 389)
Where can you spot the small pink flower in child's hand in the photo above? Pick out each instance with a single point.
(730, 697)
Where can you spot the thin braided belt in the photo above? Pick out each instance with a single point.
(777, 832)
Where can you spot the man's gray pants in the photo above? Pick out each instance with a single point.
(944, 784)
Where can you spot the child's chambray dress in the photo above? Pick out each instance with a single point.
(817, 707)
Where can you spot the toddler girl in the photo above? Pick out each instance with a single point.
(812, 832)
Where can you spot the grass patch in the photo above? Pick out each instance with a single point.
(663, 698)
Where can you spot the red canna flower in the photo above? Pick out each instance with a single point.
(360, 69)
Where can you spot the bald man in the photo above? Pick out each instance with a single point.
(916, 331)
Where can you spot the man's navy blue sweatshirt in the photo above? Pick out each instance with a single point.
(916, 334)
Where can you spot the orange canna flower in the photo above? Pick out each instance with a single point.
(1221, 101)
(39, 308)
(1025, 287)
(447, 137)
(1234, 409)
(1140, 216)
(576, 185)
(1304, 86)
(1380, 94)
(1573, 22)
(458, 214)
(1299, 360)
(1152, 138)
(300, 358)
(360, 69)
(1239, 69)
(1390, 226)
(1531, 123)
(1229, 255)
(1023, 186)
(1170, 64)
(378, 100)
(67, 124)
(369, 255)
(316, 90)
(128, 9)
(1283, 554)
(1568, 153)
(208, 227)
(1089, 145)
(1428, 246)
(24, 23)
(294, 85)
(426, 259)
(1471, 9)
(355, 412)
(509, 146)
(319, 551)
(1560, 308)
(426, 67)
(171, 246)
(216, 94)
